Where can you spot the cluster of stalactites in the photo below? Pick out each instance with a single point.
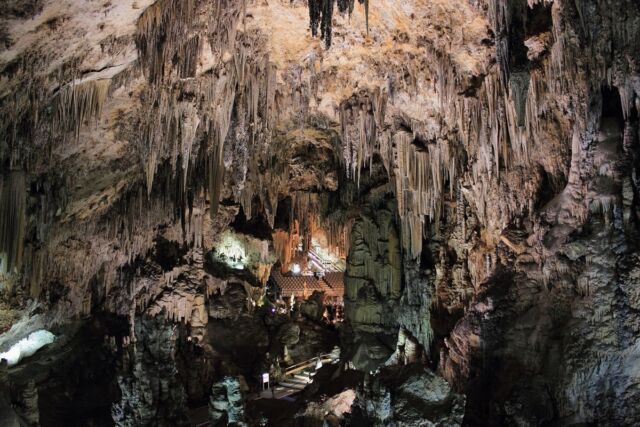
(307, 221)
(169, 130)
(421, 177)
(253, 97)
(261, 173)
(218, 130)
(173, 127)
(12, 220)
(78, 103)
(337, 232)
(161, 27)
(499, 125)
(321, 15)
(495, 128)
(361, 118)
(285, 244)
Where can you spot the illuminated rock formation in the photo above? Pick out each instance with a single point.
(475, 163)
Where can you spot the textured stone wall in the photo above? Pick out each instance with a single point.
(488, 170)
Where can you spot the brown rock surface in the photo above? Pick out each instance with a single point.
(482, 155)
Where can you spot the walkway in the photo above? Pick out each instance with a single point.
(298, 376)
(295, 379)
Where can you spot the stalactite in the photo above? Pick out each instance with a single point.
(361, 117)
(160, 30)
(321, 14)
(218, 131)
(366, 13)
(256, 172)
(346, 6)
(420, 184)
(187, 116)
(326, 23)
(337, 231)
(188, 58)
(315, 15)
(460, 211)
(285, 244)
(13, 200)
(78, 103)
(519, 85)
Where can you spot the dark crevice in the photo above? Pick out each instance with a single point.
(168, 254)
(612, 105)
(550, 186)
(257, 226)
(539, 19)
(283, 214)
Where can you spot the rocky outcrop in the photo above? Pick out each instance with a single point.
(151, 392)
(477, 160)
(313, 307)
(409, 395)
(226, 407)
(373, 281)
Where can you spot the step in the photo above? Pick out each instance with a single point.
(294, 380)
(303, 377)
(294, 386)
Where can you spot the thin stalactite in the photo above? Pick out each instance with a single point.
(13, 200)
(321, 15)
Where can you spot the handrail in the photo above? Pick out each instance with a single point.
(309, 360)
(303, 365)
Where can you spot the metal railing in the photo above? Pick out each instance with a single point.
(299, 367)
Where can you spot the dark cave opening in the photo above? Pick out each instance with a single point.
(526, 22)
(518, 60)
(168, 253)
(612, 105)
(550, 186)
(283, 218)
(257, 226)
(539, 19)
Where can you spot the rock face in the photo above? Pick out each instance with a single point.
(409, 395)
(71, 381)
(313, 307)
(152, 394)
(476, 160)
(373, 282)
(226, 405)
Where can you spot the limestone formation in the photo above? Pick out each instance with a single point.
(226, 407)
(407, 396)
(475, 165)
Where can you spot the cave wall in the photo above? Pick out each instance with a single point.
(502, 137)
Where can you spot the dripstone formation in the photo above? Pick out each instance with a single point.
(473, 166)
